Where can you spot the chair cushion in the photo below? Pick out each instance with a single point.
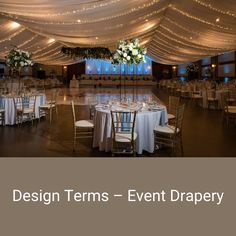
(25, 110)
(124, 137)
(170, 116)
(230, 99)
(46, 106)
(212, 99)
(167, 129)
(197, 96)
(1, 110)
(51, 102)
(84, 124)
(28, 110)
(232, 109)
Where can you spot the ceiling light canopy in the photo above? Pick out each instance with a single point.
(183, 31)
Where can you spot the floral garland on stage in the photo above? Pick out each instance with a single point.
(18, 58)
(129, 52)
(87, 53)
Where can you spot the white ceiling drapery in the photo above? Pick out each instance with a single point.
(174, 31)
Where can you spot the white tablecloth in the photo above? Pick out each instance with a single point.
(144, 126)
(10, 115)
(74, 83)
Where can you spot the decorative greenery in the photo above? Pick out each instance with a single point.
(129, 52)
(87, 53)
(192, 68)
(18, 58)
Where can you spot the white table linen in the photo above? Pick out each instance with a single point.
(10, 113)
(74, 83)
(144, 126)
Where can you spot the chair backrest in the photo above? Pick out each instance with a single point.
(92, 103)
(1, 103)
(73, 111)
(224, 101)
(179, 118)
(25, 101)
(17, 102)
(54, 95)
(210, 93)
(28, 102)
(123, 122)
(173, 104)
(232, 94)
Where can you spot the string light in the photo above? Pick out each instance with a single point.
(49, 51)
(209, 6)
(190, 45)
(199, 19)
(8, 38)
(125, 13)
(194, 32)
(27, 41)
(157, 31)
(43, 48)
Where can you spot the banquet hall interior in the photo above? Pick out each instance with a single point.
(116, 78)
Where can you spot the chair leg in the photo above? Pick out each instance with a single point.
(56, 112)
(39, 114)
(182, 147)
(134, 149)
(50, 115)
(21, 120)
(74, 141)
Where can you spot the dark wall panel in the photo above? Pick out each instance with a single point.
(160, 71)
(75, 69)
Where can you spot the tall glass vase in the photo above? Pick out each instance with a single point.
(122, 77)
(19, 79)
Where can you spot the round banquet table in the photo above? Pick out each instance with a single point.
(144, 126)
(10, 113)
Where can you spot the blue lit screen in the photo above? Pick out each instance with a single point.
(96, 66)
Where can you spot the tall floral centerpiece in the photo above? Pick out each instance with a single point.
(192, 71)
(17, 58)
(129, 52)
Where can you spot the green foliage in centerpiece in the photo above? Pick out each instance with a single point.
(87, 53)
(129, 52)
(192, 68)
(192, 71)
(18, 58)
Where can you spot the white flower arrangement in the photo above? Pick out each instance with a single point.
(129, 52)
(18, 58)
